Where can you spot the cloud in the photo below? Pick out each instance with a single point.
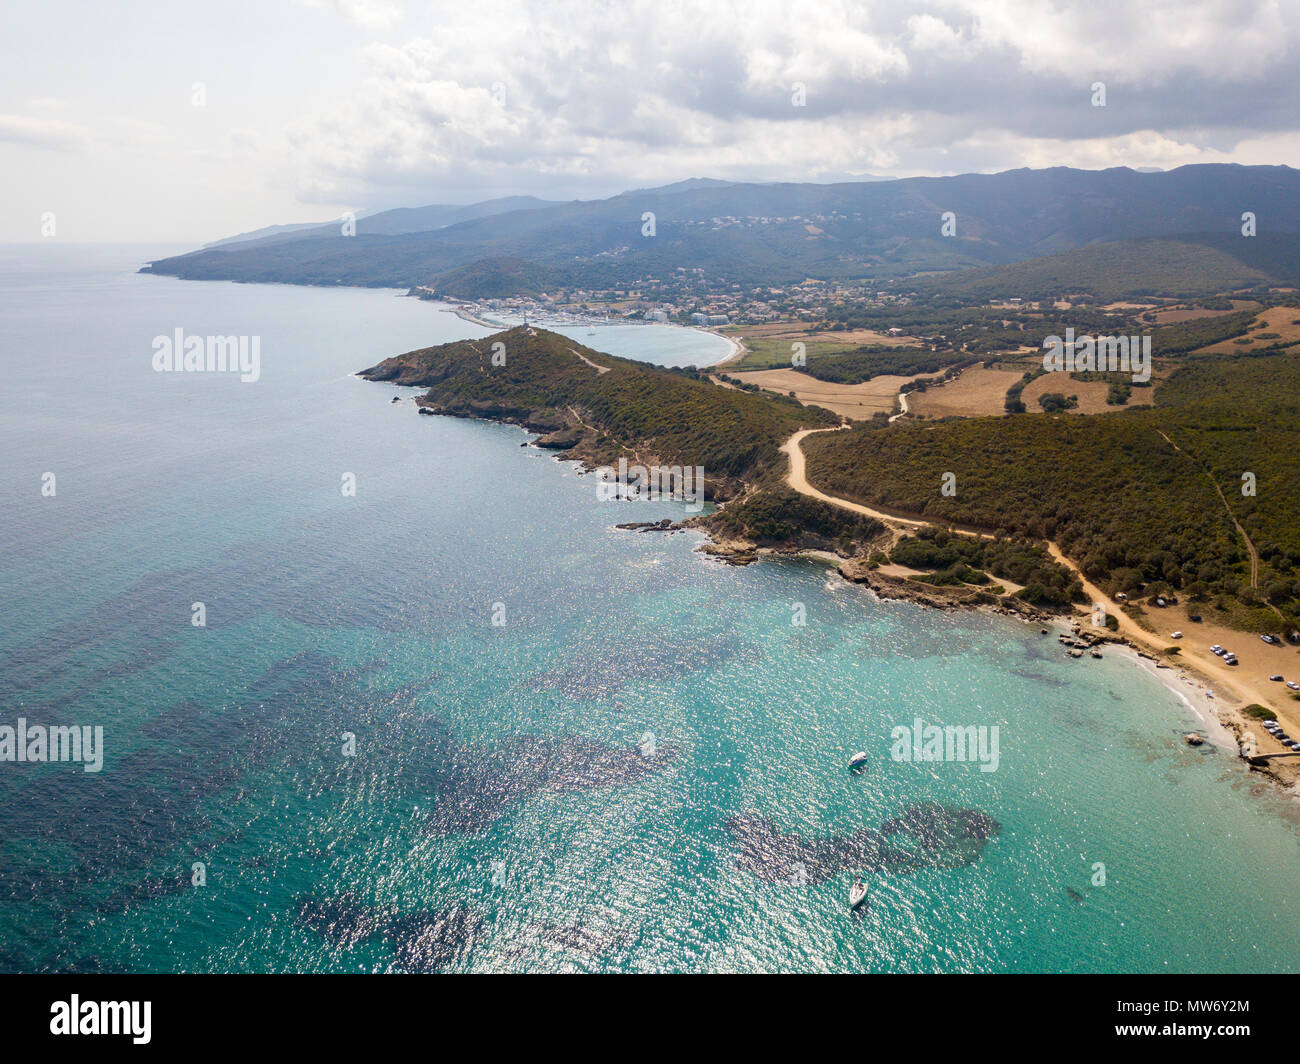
(521, 96)
(43, 133)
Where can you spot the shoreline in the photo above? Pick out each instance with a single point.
(1223, 711)
(1186, 684)
(737, 349)
(1190, 689)
(1214, 675)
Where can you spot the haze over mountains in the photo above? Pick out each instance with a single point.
(752, 234)
(387, 223)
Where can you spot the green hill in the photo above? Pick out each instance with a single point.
(1113, 489)
(556, 386)
(1183, 268)
(493, 278)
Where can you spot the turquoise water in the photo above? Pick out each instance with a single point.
(630, 775)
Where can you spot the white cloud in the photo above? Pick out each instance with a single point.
(1139, 43)
(607, 93)
(929, 33)
(564, 98)
(43, 132)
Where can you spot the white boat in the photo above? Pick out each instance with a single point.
(857, 894)
(859, 759)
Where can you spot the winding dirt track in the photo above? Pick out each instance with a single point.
(797, 478)
(1208, 665)
(599, 369)
(903, 411)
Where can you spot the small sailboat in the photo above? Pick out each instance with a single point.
(857, 894)
(858, 760)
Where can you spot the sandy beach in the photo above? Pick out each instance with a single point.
(738, 349)
(1215, 690)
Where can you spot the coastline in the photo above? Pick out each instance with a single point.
(738, 348)
(1187, 677)
(1212, 673)
(737, 352)
(1221, 724)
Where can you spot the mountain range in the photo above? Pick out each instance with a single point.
(779, 234)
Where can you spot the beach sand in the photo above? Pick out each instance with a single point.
(1233, 688)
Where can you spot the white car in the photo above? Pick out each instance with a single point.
(1175, 635)
(1293, 685)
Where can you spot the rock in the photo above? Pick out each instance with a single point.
(666, 525)
(560, 439)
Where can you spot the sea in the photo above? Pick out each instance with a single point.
(388, 693)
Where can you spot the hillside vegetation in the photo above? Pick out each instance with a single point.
(760, 233)
(554, 385)
(1188, 267)
(1112, 489)
(782, 517)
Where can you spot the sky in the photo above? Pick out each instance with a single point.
(157, 121)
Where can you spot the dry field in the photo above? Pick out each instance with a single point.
(855, 401)
(1177, 314)
(807, 332)
(1280, 320)
(1092, 394)
(977, 392)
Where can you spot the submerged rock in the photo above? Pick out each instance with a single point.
(941, 837)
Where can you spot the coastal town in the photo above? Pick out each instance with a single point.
(685, 299)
